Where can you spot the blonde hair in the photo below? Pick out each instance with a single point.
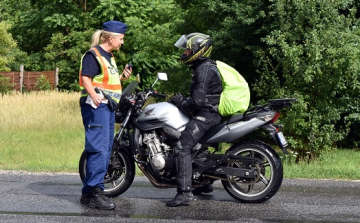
(102, 35)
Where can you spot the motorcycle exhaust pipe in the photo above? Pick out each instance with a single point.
(152, 180)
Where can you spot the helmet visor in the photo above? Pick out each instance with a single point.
(181, 43)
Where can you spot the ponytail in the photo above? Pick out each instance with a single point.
(101, 35)
(96, 38)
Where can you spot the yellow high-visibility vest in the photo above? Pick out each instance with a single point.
(108, 80)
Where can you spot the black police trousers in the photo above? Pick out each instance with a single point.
(194, 130)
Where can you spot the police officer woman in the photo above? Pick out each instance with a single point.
(100, 85)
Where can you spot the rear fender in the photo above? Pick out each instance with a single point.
(273, 129)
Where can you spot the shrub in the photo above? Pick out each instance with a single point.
(43, 84)
(5, 85)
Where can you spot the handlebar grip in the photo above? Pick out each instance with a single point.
(160, 95)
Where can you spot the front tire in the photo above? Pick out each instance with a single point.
(119, 176)
(270, 173)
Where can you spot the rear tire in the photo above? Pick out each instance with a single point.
(120, 174)
(270, 173)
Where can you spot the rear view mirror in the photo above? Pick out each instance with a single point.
(138, 78)
(162, 76)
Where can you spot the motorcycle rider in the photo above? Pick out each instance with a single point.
(204, 98)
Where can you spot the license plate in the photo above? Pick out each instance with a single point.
(281, 139)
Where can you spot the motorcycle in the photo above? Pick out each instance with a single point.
(250, 170)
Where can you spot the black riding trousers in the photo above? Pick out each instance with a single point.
(195, 129)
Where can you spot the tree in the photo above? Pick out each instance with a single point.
(316, 55)
(11, 9)
(5, 85)
(43, 18)
(148, 41)
(306, 49)
(65, 29)
(43, 83)
(291, 48)
(6, 45)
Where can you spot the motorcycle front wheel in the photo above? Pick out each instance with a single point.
(269, 173)
(119, 176)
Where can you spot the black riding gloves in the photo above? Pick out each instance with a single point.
(176, 100)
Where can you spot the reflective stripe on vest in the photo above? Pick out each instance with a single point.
(108, 80)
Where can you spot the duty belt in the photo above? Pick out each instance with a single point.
(111, 94)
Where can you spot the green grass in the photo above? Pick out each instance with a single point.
(338, 164)
(43, 132)
(40, 131)
(54, 151)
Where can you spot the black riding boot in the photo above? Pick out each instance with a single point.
(184, 172)
(181, 198)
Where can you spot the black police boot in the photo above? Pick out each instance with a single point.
(85, 198)
(208, 188)
(181, 198)
(99, 200)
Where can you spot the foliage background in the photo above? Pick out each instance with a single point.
(307, 49)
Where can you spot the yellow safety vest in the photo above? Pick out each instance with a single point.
(108, 80)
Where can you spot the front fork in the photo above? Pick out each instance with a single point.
(123, 125)
(276, 133)
(119, 141)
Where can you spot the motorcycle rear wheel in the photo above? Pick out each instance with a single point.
(270, 173)
(120, 174)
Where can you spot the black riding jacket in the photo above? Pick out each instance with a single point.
(205, 87)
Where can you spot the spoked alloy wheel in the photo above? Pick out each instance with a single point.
(269, 173)
(120, 174)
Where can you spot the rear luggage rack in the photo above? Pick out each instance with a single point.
(273, 104)
(280, 103)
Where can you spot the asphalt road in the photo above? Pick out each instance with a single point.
(54, 197)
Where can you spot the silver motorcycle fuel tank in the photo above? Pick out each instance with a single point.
(160, 115)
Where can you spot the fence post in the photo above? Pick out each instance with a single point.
(21, 76)
(57, 78)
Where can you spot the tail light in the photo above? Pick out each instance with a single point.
(276, 117)
(272, 117)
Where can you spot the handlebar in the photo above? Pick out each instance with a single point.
(159, 95)
(153, 93)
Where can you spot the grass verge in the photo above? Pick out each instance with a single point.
(340, 164)
(40, 131)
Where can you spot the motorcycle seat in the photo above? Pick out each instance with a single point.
(211, 132)
(235, 118)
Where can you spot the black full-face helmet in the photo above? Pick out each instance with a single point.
(199, 44)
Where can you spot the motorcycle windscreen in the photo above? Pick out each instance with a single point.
(128, 90)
